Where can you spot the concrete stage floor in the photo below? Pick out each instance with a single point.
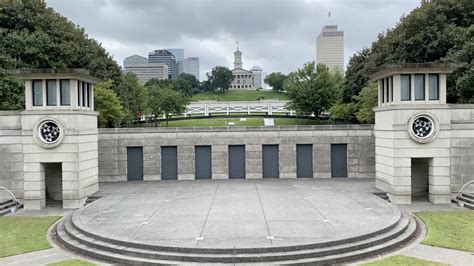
(236, 213)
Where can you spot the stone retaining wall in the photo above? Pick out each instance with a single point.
(113, 145)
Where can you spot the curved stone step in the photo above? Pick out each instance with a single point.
(78, 242)
(391, 225)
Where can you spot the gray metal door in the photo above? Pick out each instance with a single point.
(169, 163)
(134, 163)
(339, 160)
(270, 161)
(236, 161)
(202, 162)
(304, 160)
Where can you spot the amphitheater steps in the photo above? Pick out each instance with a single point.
(88, 244)
(7, 206)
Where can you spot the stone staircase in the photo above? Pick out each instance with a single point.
(466, 200)
(7, 206)
(395, 235)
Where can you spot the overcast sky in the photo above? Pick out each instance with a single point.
(277, 35)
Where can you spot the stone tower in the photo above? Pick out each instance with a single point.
(237, 59)
(416, 133)
(58, 136)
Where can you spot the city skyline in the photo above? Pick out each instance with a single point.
(276, 45)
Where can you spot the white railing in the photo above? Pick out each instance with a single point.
(11, 194)
(209, 107)
(463, 187)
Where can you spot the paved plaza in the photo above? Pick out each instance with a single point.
(236, 213)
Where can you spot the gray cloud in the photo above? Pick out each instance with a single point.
(278, 35)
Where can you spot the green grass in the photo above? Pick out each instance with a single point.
(402, 260)
(449, 229)
(236, 95)
(24, 234)
(214, 122)
(223, 121)
(73, 262)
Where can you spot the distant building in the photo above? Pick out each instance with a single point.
(191, 66)
(178, 53)
(143, 70)
(330, 48)
(257, 77)
(165, 57)
(245, 79)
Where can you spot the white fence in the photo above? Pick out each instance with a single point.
(211, 107)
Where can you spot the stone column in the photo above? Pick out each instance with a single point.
(253, 164)
(186, 162)
(220, 161)
(287, 160)
(440, 180)
(34, 186)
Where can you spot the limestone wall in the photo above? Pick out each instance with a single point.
(11, 152)
(113, 145)
(462, 147)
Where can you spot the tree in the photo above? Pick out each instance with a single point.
(344, 111)
(34, 36)
(276, 81)
(133, 96)
(312, 90)
(107, 103)
(367, 100)
(187, 84)
(163, 100)
(221, 77)
(437, 31)
(11, 92)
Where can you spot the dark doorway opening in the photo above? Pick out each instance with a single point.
(203, 162)
(134, 163)
(236, 161)
(339, 160)
(53, 178)
(304, 160)
(420, 173)
(169, 163)
(270, 161)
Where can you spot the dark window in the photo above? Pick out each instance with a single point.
(391, 88)
(65, 91)
(37, 92)
(382, 96)
(51, 98)
(387, 95)
(84, 87)
(405, 87)
(434, 86)
(79, 93)
(419, 87)
(88, 91)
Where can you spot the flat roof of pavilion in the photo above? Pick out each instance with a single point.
(66, 73)
(409, 68)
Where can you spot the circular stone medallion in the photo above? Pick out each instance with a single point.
(49, 132)
(422, 127)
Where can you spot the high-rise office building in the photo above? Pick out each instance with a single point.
(330, 48)
(178, 53)
(143, 70)
(191, 66)
(165, 57)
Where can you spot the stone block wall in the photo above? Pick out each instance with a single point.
(11, 153)
(113, 145)
(462, 147)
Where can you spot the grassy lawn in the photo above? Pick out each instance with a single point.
(224, 121)
(236, 95)
(215, 122)
(449, 229)
(24, 234)
(402, 260)
(73, 262)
